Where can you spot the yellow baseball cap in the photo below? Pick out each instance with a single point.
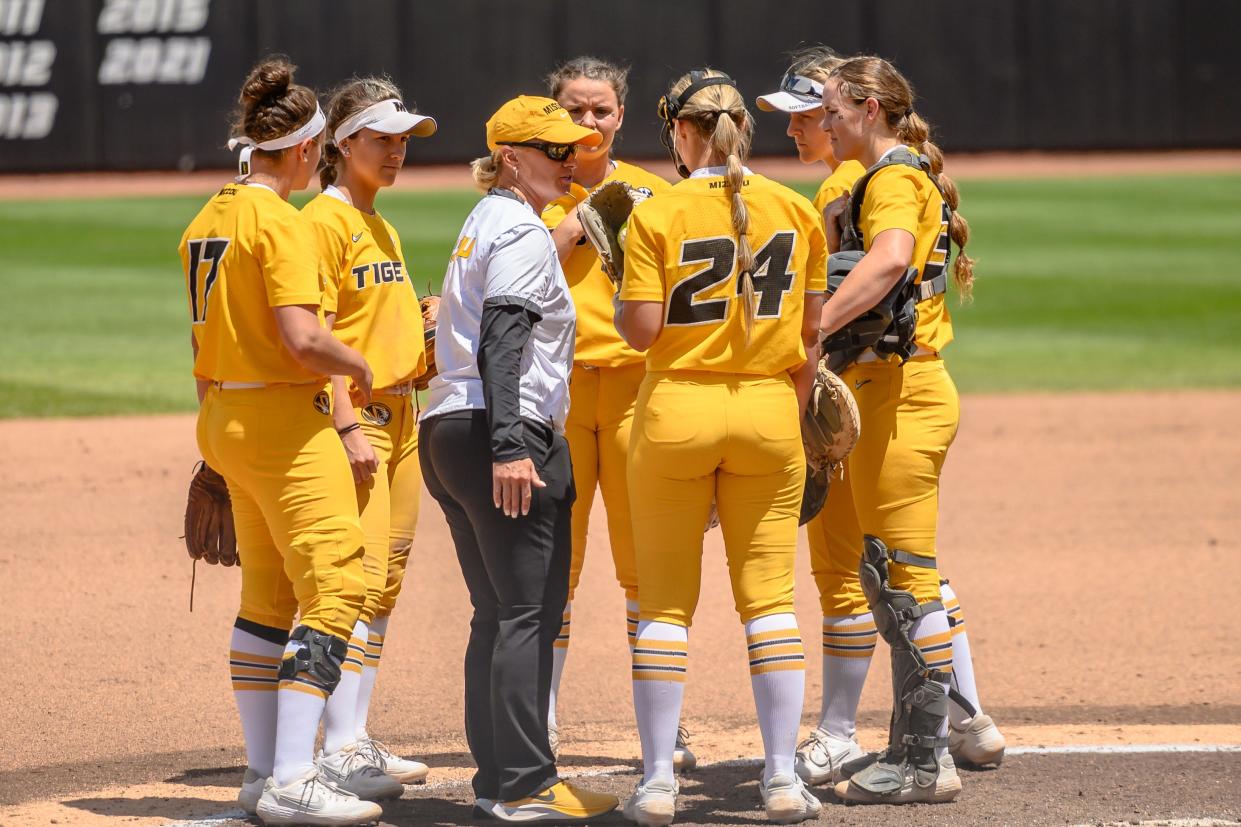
(532, 118)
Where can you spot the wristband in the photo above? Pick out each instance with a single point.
(348, 429)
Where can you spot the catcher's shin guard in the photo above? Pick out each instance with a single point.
(319, 656)
(908, 770)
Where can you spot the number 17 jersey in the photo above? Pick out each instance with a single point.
(682, 251)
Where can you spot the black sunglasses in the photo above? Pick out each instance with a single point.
(556, 152)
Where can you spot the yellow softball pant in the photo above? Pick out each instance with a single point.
(836, 550)
(388, 503)
(293, 505)
(702, 436)
(909, 418)
(597, 429)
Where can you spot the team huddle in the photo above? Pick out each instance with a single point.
(674, 352)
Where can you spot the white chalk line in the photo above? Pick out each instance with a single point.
(757, 761)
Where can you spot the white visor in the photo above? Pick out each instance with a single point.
(389, 117)
(310, 129)
(797, 94)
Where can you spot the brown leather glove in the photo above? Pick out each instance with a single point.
(209, 532)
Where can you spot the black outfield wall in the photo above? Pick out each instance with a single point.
(148, 84)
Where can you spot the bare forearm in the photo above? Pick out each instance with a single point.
(342, 405)
(803, 377)
(567, 235)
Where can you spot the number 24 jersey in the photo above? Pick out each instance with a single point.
(682, 251)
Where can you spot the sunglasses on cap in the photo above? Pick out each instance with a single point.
(556, 152)
(796, 84)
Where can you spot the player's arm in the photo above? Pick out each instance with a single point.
(568, 234)
(202, 384)
(363, 460)
(876, 274)
(639, 316)
(319, 351)
(803, 377)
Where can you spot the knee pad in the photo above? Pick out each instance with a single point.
(895, 611)
(319, 655)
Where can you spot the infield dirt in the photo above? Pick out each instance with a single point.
(1093, 540)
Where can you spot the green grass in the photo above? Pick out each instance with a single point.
(1082, 284)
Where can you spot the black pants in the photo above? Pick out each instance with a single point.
(517, 571)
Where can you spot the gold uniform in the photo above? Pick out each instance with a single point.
(265, 423)
(605, 379)
(717, 416)
(909, 412)
(369, 289)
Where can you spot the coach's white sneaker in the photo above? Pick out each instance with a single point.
(251, 791)
(405, 770)
(310, 800)
(977, 742)
(787, 800)
(354, 772)
(682, 759)
(653, 804)
(820, 756)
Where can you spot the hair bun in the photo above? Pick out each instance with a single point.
(269, 80)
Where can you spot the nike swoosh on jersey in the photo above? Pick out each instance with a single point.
(859, 383)
(357, 237)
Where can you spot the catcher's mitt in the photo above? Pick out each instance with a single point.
(209, 533)
(605, 219)
(430, 312)
(831, 426)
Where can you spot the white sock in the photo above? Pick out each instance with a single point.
(339, 717)
(848, 646)
(778, 679)
(962, 661)
(254, 664)
(560, 652)
(931, 636)
(300, 707)
(660, 660)
(376, 633)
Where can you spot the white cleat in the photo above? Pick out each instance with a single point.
(484, 808)
(251, 791)
(682, 759)
(653, 804)
(355, 772)
(405, 770)
(553, 740)
(978, 742)
(787, 800)
(309, 800)
(820, 756)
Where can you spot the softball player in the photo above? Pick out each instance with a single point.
(369, 304)
(723, 281)
(262, 358)
(606, 371)
(835, 538)
(910, 412)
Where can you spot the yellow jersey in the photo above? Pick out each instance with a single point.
(366, 285)
(598, 343)
(682, 251)
(901, 197)
(247, 251)
(839, 183)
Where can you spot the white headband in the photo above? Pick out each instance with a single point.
(309, 129)
(388, 116)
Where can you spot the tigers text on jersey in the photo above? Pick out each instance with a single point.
(839, 183)
(901, 197)
(366, 285)
(247, 251)
(682, 251)
(598, 343)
